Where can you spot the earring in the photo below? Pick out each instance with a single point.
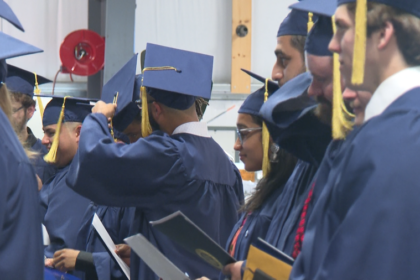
(274, 148)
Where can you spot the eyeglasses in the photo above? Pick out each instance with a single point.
(245, 132)
(17, 110)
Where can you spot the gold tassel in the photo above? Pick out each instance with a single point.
(112, 126)
(37, 92)
(359, 52)
(265, 139)
(52, 154)
(341, 124)
(310, 21)
(146, 129)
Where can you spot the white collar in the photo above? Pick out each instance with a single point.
(194, 128)
(391, 89)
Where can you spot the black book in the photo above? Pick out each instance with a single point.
(184, 232)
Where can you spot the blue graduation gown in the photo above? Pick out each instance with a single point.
(256, 225)
(282, 230)
(21, 255)
(62, 210)
(117, 221)
(161, 174)
(365, 223)
(44, 170)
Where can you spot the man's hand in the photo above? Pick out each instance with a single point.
(65, 260)
(124, 252)
(234, 270)
(108, 110)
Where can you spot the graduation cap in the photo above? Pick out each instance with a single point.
(124, 90)
(63, 109)
(320, 7)
(296, 23)
(11, 47)
(174, 78)
(22, 81)
(292, 125)
(7, 13)
(252, 106)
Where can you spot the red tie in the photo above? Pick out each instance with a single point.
(300, 233)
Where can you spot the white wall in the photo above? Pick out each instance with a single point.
(196, 25)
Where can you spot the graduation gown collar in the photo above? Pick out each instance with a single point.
(194, 128)
(391, 89)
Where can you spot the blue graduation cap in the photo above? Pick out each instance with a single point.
(292, 125)
(320, 35)
(63, 109)
(7, 13)
(176, 77)
(22, 81)
(291, 97)
(255, 101)
(124, 89)
(11, 47)
(319, 38)
(320, 7)
(296, 23)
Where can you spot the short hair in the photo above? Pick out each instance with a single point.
(26, 100)
(298, 42)
(407, 28)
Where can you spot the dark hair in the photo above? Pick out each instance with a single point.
(407, 28)
(200, 106)
(298, 42)
(280, 172)
(25, 99)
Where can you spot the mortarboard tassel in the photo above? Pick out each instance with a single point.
(341, 124)
(146, 129)
(359, 52)
(37, 92)
(52, 154)
(310, 21)
(265, 139)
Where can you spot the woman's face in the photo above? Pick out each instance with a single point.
(250, 151)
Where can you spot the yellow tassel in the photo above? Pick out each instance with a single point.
(37, 92)
(265, 139)
(359, 52)
(310, 21)
(146, 129)
(341, 124)
(52, 154)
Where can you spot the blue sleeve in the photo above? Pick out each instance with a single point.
(149, 165)
(63, 217)
(106, 267)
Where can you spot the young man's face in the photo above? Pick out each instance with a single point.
(321, 68)
(20, 115)
(343, 44)
(289, 63)
(68, 141)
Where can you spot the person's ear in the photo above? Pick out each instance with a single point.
(77, 132)
(157, 110)
(386, 34)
